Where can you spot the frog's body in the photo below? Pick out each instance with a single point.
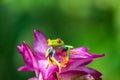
(57, 46)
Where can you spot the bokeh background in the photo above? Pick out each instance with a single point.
(91, 23)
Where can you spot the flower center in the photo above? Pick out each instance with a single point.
(63, 62)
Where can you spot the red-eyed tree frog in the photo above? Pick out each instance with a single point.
(57, 46)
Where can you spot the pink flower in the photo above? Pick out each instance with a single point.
(74, 69)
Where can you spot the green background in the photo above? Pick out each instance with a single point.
(91, 23)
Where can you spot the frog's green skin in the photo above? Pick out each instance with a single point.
(56, 45)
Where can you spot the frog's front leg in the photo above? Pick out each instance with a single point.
(68, 51)
(68, 54)
(54, 60)
(47, 55)
(50, 56)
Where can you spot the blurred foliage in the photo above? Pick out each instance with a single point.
(91, 23)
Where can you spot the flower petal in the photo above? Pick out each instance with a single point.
(34, 78)
(28, 57)
(72, 64)
(78, 76)
(46, 72)
(82, 52)
(80, 71)
(39, 77)
(70, 74)
(40, 43)
(26, 68)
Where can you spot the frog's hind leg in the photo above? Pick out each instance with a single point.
(54, 60)
(48, 63)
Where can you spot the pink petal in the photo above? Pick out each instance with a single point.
(82, 52)
(72, 64)
(28, 57)
(34, 78)
(66, 75)
(75, 75)
(39, 77)
(46, 72)
(40, 43)
(26, 68)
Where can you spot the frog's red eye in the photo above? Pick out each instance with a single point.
(58, 40)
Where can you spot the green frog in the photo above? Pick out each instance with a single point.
(57, 46)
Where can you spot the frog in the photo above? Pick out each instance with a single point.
(57, 46)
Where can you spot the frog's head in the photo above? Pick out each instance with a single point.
(55, 42)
